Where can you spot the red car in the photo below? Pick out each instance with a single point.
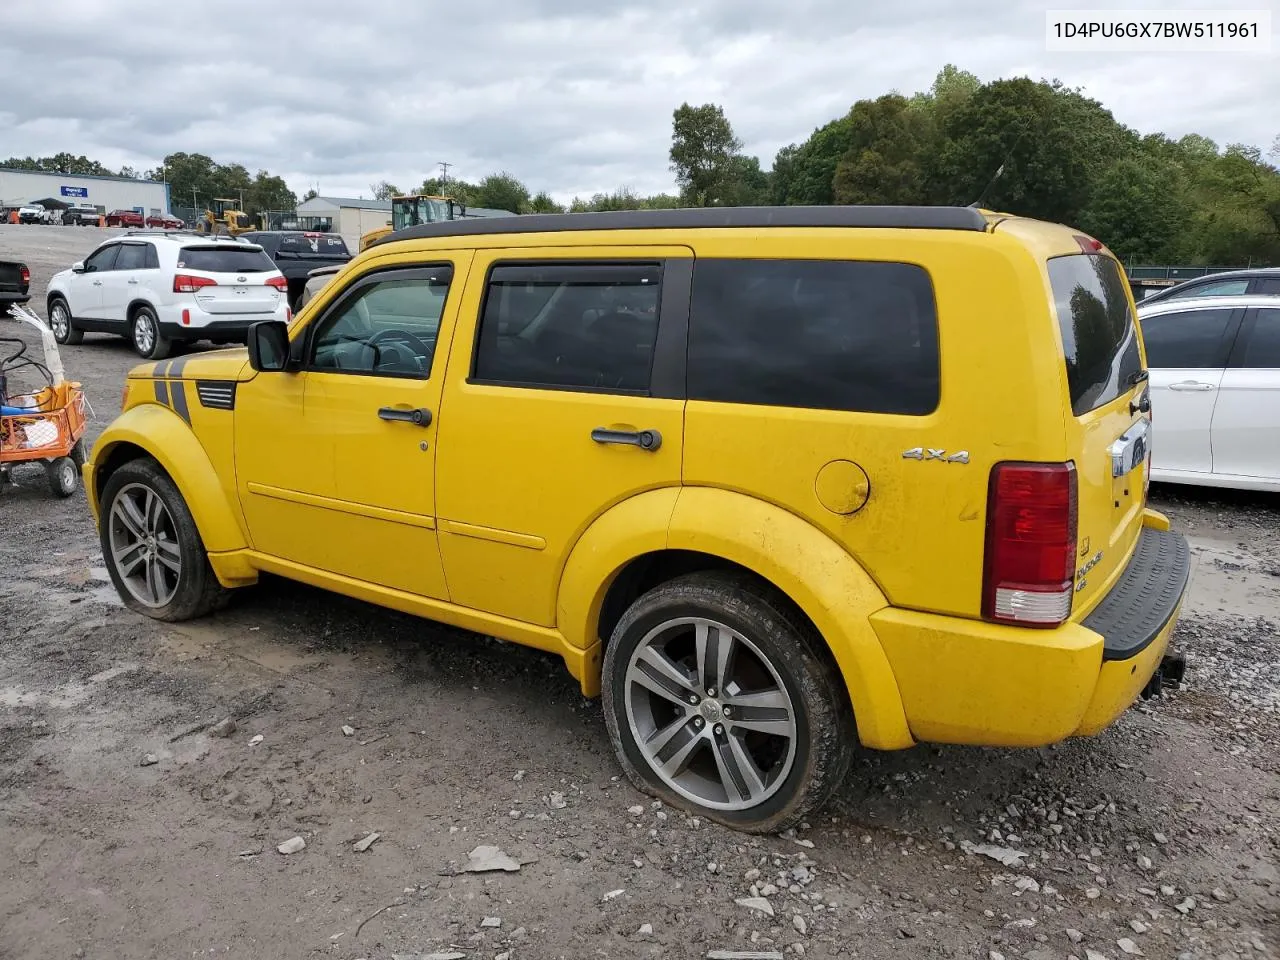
(165, 223)
(124, 218)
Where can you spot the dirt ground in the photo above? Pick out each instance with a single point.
(1159, 838)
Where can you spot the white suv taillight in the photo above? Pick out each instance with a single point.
(182, 283)
(1029, 575)
(280, 283)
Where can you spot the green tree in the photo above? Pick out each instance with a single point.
(311, 194)
(889, 143)
(1137, 210)
(501, 191)
(543, 203)
(805, 174)
(1050, 141)
(703, 154)
(951, 90)
(382, 190)
(269, 193)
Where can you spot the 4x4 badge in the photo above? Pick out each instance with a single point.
(929, 453)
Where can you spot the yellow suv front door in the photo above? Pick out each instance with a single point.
(562, 400)
(336, 463)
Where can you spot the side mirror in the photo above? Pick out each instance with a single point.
(268, 342)
(78, 267)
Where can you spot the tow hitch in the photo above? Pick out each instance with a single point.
(1171, 670)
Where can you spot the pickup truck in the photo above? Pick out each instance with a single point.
(32, 213)
(297, 252)
(15, 284)
(81, 216)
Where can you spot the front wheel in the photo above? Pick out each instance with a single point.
(61, 324)
(719, 699)
(152, 549)
(145, 333)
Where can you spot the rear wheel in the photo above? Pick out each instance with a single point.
(60, 322)
(720, 700)
(144, 330)
(152, 548)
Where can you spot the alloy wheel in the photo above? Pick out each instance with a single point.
(710, 714)
(144, 545)
(144, 333)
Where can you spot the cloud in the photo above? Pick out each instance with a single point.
(571, 96)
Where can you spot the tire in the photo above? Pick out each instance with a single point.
(784, 665)
(144, 333)
(63, 476)
(130, 524)
(63, 326)
(77, 454)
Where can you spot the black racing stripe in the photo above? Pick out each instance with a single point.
(162, 392)
(178, 392)
(161, 369)
(175, 367)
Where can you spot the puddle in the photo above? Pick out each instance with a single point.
(64, 697)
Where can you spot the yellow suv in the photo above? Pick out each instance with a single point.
(773, 482)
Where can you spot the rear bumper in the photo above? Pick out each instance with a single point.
(971, 682)
(12, 296)
(212, 326)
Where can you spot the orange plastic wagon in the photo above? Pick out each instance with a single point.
(45, 426)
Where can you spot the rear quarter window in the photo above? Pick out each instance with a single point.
(1099, 333)
(856, 336)
(225, 260)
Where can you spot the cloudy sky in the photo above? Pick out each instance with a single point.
(571, 96)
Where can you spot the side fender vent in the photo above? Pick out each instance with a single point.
(218, 394)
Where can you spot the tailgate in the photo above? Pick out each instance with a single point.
(10, 277)
(1108, 432)
(231, 297)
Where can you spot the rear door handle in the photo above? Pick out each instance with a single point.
(421, 416)
(644, 439)
(133, 281)
(1192, 385)
(97, 283)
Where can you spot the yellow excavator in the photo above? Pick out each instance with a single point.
(225, 218)
(415, 209)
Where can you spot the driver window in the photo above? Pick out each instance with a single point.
(387, 328)
(102, 259)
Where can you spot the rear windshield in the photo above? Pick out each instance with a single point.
(325, 245)
(1099, 338)
(225, 260)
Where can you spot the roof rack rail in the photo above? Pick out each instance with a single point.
(869, 217)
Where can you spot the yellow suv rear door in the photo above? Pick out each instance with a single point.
(563, 399)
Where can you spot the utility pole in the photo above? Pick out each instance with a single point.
(444, 174)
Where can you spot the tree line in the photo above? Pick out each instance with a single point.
(1033, 148)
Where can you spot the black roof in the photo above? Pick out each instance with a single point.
(921, 218)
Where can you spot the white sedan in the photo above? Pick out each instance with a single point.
(1215, 390)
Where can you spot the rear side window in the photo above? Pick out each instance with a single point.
(133, 256)
(830, 335)
(1187, 339)
(1099, 338)
(225, 260)
(1262, 351)
(1267, 286)
(586, 326)
(1223, 288)
(324, 244)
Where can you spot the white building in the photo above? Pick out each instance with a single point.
(148, 197)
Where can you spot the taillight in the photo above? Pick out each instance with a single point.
(1031, 544)
(24, 275)
(182, 283)
(280, 283)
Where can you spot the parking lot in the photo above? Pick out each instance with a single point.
(135, 831)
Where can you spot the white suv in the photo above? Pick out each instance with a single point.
(158, 288)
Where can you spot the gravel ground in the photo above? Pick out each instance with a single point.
(132, 829)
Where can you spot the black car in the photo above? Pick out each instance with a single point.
(1262, 281)
(297, 252)
(15, 284)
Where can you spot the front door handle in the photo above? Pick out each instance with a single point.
(97, 283)
(421, 416)
(644, 439)
(1192, 385)
(133, 281)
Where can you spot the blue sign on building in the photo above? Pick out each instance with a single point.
(75, 191)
